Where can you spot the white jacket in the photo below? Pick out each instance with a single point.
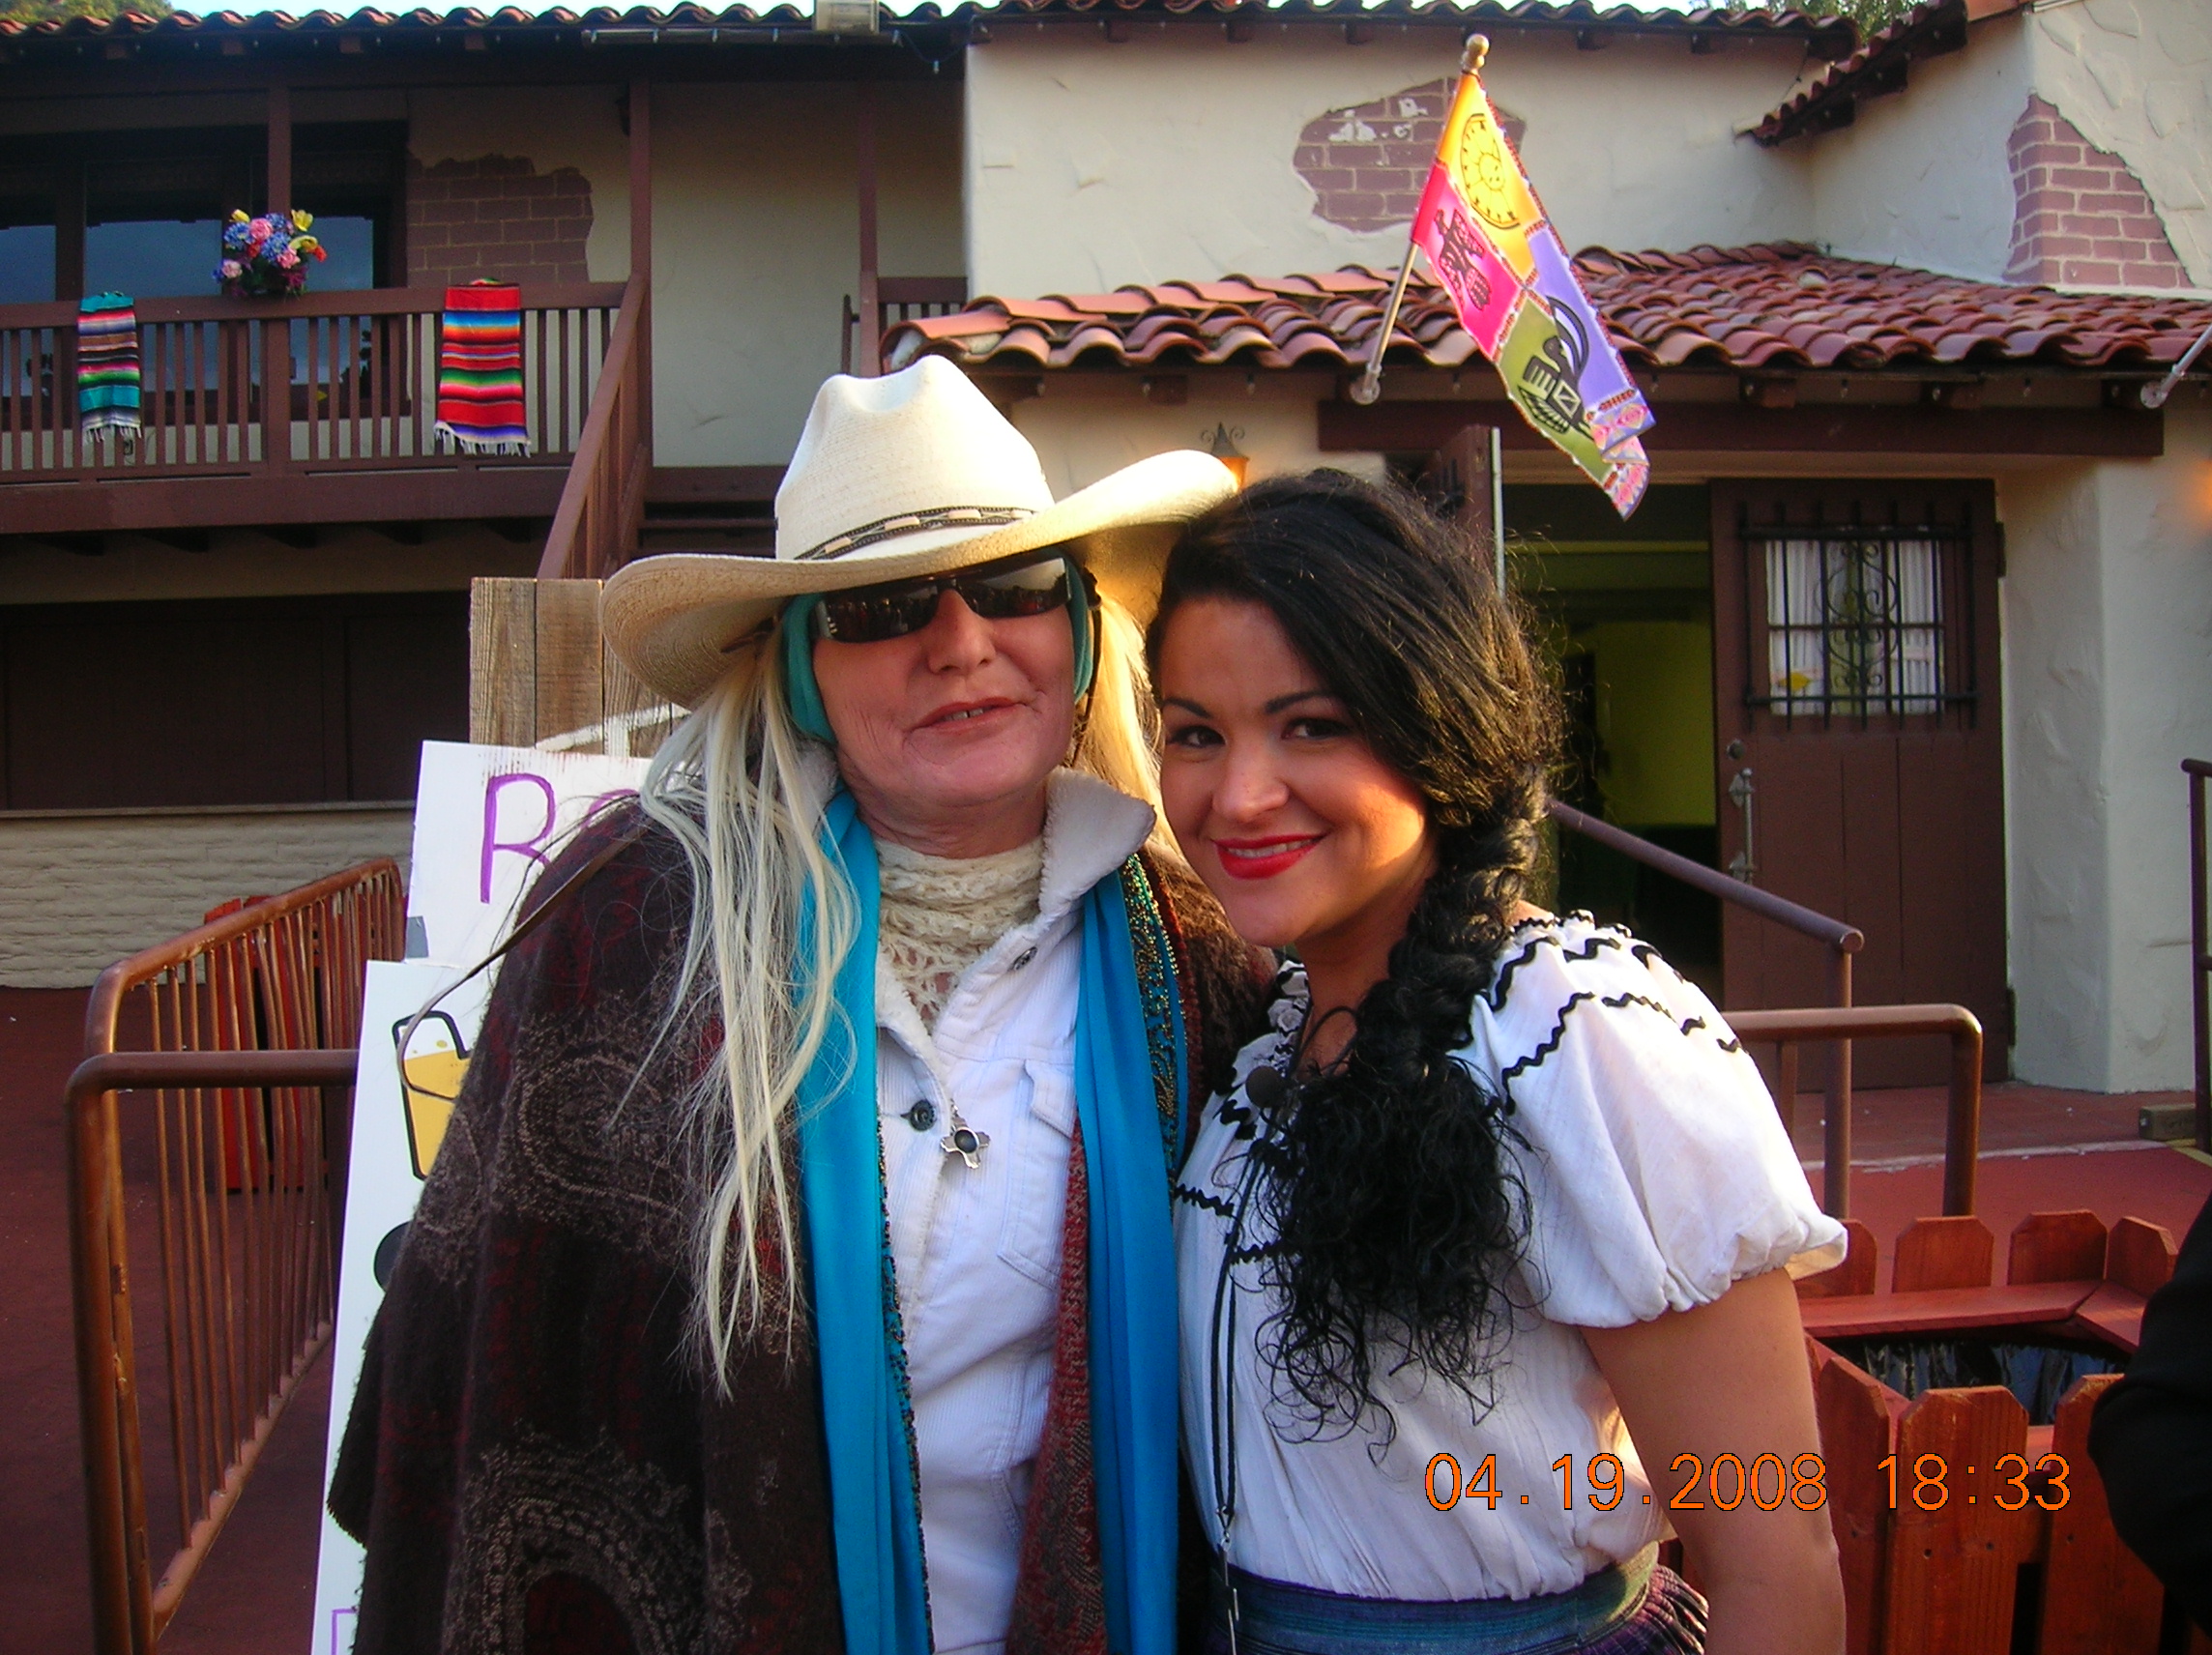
(977, 1249)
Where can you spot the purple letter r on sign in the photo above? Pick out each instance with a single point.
(493, 844)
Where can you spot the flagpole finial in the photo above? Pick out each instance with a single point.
(1470, 59)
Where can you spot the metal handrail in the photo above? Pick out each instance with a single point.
(2200, 948)
(123, 1593)
(104, 1009)
(1962, 1117)
(1841, 940)
(246, 1016)
(1837, 933)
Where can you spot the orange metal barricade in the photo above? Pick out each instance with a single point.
(238, 1040)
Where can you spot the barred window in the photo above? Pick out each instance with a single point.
(1854, 625)
(1861, 620)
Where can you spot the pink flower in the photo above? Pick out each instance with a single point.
(232, 270)
(287, 259)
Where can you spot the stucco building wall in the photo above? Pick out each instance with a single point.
(2108, 621)
(1925, 177)
(756, 241)
(2135, 76)
(1922, 178)
(1083, 432)
(80, 890)
(1174, 154)
(755, 228)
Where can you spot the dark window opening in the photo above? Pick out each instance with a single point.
(154, 204)
(1624, 613)
(224, 702)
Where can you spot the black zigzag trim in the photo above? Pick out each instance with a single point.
(1198, 1198)
(1494, 994)
(1551, 1042)
(1612, 1002)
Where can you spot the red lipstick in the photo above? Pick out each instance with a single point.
(1263, 859)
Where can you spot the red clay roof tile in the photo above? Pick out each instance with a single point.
(1776, 307)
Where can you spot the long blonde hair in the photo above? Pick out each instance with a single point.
(734, 785)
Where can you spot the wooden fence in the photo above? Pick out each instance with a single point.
(1953, 1515)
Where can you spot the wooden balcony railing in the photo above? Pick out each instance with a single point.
(595, 526)
(898, 298)
(273, 392)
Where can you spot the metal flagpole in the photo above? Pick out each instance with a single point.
(1369, 385)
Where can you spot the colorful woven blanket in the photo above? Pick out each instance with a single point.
(480, 370)
(107, 366)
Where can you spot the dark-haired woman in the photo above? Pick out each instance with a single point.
(1498, 1185)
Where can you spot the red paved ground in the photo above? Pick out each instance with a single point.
(255, 1594)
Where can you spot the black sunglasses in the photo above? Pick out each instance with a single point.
(871, 614)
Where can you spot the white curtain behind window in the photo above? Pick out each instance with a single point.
(1854, 627)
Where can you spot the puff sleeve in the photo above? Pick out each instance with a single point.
(1656, 1168)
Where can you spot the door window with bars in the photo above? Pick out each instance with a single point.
(1855, 623)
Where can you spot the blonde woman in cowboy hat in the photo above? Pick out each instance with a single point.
(798, 1274)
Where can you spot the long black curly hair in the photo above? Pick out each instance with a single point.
(1397, 1214)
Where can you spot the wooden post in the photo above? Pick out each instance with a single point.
(867, 361)
(69, 233)
(2098, 1599)
(1942, 1253)
(1953, 1569)
(1854, 1435)
(279, 193)
(2056, 1247)
(641, 247)
(540, 671)
(1465, 478)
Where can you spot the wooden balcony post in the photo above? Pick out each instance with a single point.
(867, 361)
(279, 191)
(69, 231)
(641, 248)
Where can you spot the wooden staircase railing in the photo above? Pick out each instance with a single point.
(595, 526)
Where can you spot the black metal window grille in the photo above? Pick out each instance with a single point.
(1861, 621)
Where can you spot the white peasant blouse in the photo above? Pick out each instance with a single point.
(1657, 1175)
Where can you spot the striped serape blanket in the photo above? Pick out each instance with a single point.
(107, 366)
(480, 370)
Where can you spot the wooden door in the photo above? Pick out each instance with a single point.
(1857, 713)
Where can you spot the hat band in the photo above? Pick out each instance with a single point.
(915, 523)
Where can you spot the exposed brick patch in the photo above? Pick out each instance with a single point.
(2079, 215)
(1368, 162)
(496, 216)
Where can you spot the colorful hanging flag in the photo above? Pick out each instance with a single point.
(480, 370)
(1496, 253)
(107, 390)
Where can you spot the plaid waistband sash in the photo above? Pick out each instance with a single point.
(1628, 1609)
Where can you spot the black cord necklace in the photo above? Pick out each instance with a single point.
(1271, 1092)
(1267, 1089)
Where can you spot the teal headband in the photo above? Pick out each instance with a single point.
(802, 696)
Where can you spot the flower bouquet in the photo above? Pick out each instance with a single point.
(267, 257)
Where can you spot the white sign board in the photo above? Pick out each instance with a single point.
(486, 820)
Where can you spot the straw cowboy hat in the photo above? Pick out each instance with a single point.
(913, 474)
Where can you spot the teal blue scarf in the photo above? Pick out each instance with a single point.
(874, 1509)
